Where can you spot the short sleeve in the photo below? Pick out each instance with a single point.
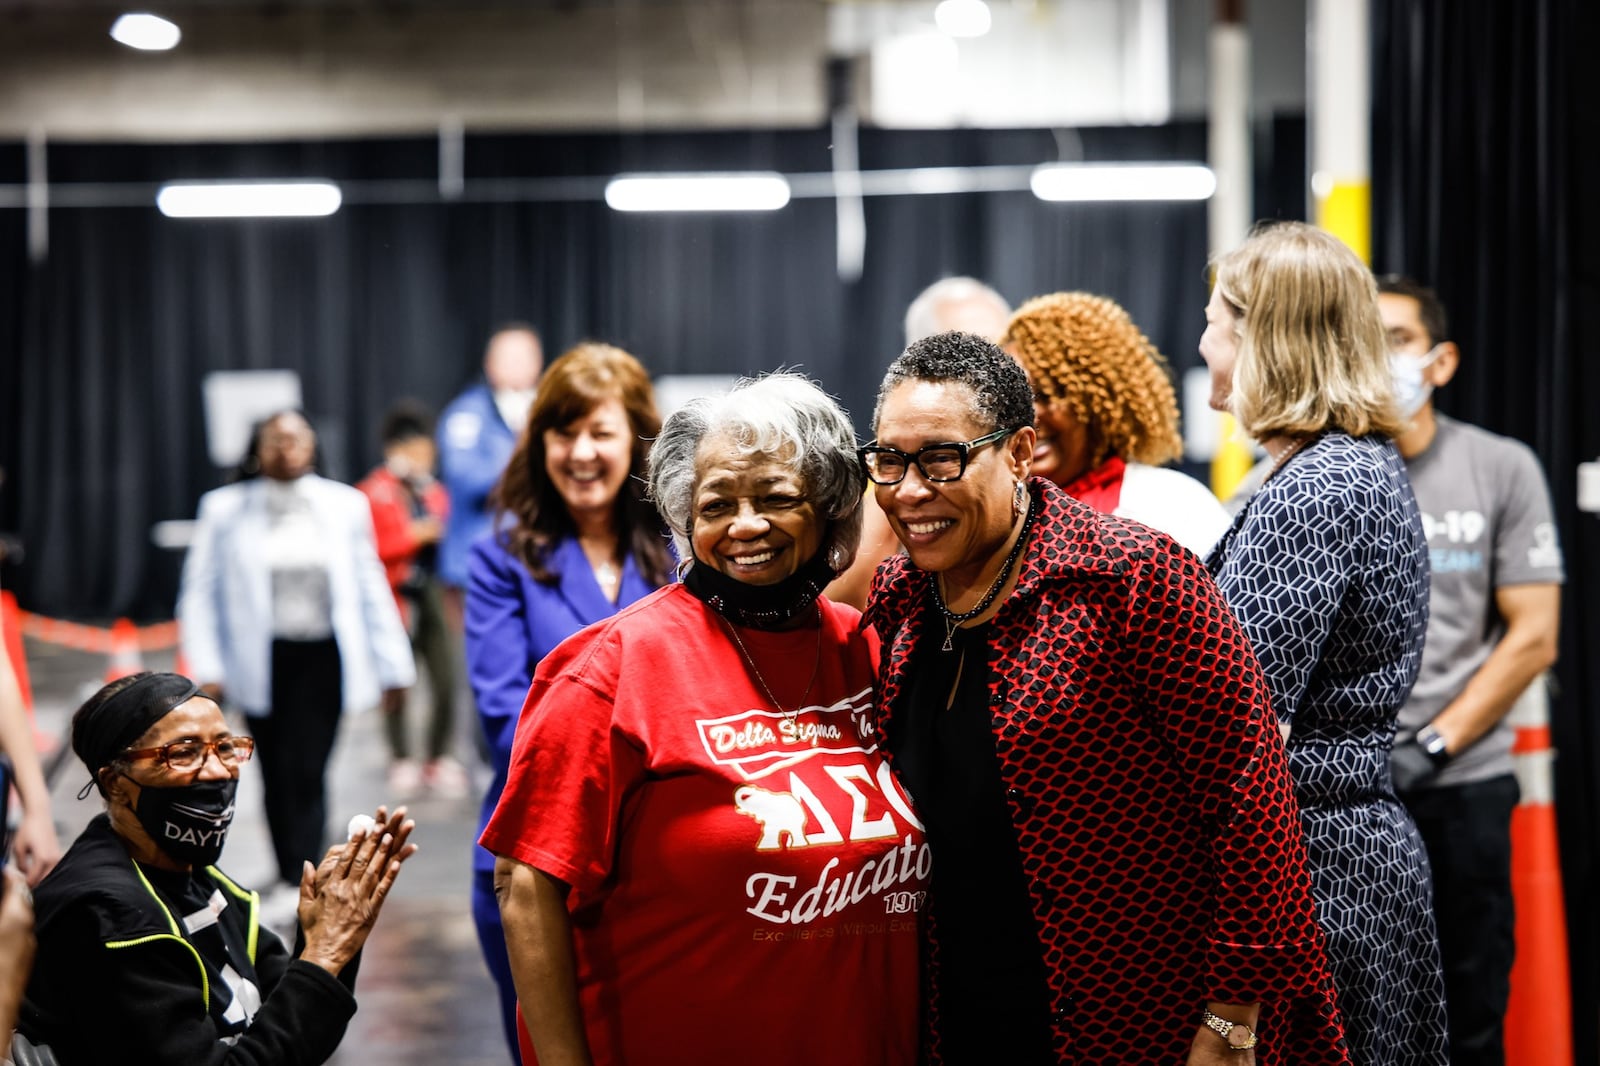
(1527, 550)
(572, 768)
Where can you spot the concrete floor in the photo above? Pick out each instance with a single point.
(424, 995)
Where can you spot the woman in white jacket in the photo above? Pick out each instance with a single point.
(284, 606)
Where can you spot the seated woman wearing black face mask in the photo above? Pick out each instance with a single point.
(150, 954)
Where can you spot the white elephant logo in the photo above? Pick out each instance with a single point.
(779, 814)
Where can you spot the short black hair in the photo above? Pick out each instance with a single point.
(1430, 309)
(998, 382)
(406, 420)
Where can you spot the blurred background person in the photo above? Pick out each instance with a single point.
(477, 431)
(1494, 592)
(958, 303)
(1090, 744)
(17, 946)
(685, 768)
(575, 542)
(284, 610)
(34, 846)
(1107, 417)
(409, 509)
(1327, 570)
(149, 953)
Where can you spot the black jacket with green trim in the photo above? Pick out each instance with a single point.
(118, 978)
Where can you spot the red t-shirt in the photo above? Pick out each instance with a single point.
(745, 883)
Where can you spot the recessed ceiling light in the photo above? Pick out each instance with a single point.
(146, 32)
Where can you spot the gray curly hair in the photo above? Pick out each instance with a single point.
(783, 416)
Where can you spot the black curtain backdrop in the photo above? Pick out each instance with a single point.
(1484, 143)
(103, 427)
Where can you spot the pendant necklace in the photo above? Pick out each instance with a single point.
(951, 618)
(749, 661)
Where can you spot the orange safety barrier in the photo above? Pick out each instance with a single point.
(1539, 1015)
(13, 648)
(125, 656)
(79, 637)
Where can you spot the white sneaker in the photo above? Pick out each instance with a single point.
(279, 905)
(405, 777)
(446, 778)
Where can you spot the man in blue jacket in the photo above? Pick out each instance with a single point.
(476, 434)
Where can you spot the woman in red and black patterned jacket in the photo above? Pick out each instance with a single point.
(1119, 873)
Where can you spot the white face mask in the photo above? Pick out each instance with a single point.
(1410, 390)
(514, 405)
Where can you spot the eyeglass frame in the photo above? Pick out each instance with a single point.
(208, 748)
(963, 448)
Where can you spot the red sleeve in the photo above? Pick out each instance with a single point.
(572, 766)
(391, 523)
(1215, 710)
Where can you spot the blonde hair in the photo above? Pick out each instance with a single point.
(1083, 353)
(1313, 355)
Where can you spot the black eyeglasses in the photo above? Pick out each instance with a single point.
(937, 462)
(187, 755)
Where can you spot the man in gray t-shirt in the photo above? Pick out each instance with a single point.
(1494, 609)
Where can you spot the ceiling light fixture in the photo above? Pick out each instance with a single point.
(146, 32)
(750, 191)
(962, 18)
(1123, 181)
(248, 199)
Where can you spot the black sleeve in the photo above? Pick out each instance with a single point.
(145, 1003)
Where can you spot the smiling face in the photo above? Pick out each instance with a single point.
(960, 527)
(587, 459)
(1061, 452)
(1219, 347)
(752, 518)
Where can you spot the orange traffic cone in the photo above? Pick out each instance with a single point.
(11, 619)
(125, 655)
(1539, 1015)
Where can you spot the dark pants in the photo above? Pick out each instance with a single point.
(492, 938)
(434, 644)
(1467, 830)
(293, 744)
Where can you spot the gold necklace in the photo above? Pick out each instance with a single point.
(751, 663)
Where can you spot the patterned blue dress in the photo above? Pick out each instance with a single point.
(1326, 569)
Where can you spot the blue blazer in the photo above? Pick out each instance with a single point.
(512, 622)
(474, 446)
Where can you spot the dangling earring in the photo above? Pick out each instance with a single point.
(1019, 499)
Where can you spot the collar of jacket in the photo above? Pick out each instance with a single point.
(1069, 540)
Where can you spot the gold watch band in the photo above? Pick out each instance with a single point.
(1230, 1031)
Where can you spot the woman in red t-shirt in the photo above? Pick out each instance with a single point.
(702, 853)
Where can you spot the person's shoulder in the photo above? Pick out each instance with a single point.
(96, 888)
(379, 484)
(1483, 447)
(471, 398)
(660, 622)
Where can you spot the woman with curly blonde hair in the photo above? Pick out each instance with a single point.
(1107, 417)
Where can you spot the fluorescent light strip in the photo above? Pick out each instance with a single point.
(1122, 181)
(148, 33)
(241, 199)
(750, 191)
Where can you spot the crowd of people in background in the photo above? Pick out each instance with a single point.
(996, 737)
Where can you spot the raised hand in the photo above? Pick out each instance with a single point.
(340, 898)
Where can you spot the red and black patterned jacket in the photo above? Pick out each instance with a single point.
(1148, 788)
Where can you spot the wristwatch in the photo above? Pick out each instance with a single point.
(1240, 1037)
(1433, 745)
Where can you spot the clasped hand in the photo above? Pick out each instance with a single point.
(340, 897)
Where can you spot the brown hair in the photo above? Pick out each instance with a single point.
(1313, 354)
(581, 380)
(1083, 353)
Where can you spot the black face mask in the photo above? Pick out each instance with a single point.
(188, 822)
(761, 606)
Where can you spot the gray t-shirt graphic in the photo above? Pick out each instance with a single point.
(1486, 511)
